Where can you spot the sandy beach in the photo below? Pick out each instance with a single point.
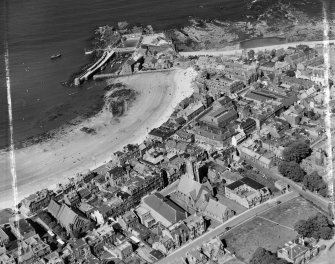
(45, 164)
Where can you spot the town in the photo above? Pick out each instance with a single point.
(238, 174)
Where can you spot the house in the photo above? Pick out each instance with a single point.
(282, 186)
(4, 238)
(178, 232)
(80, 250)
(191, 111)
(165, 244)
(182, 135)
(297, 252)
(72, 198)
(156, 255)
(36, 202)
(247, 192)
(163, 210)
(69, 219)
(53, 258)
(21, 228)
(253, 156)
(7, 259)
(213, 249)
(116, 175)
(217, 211)
(196, 225)
(158, 134)
(123, 250)
(127, 220)
(145, 217)
(38, 247)
(196, 257)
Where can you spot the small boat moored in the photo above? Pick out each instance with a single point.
(55, 56)
(88, 52)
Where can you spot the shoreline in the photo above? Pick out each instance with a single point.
(46, 164)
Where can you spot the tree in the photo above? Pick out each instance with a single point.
(318, 226)
(314, 182)
(263, 256)
(251, 54)
(302, 228)
(291, 170)
(296, 151)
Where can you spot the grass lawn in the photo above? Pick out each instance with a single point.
(289, 213)
(258, 232)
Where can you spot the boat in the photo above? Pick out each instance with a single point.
(88, 52)
(55, 56)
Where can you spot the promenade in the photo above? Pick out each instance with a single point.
(226, 52)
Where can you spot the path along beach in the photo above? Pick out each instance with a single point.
(46, 164)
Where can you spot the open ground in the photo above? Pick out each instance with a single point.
(269, 230)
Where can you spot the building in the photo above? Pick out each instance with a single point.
(216, 126)
(297, 252)
(247, 192)
(36, 202)
(253, 156)
(21, 228)
(217, 211)
(123, 250)
(191, 111)
(191, 194)
(163, 210)
(38, 247)
(196, 257)
(213, 249)
(69, 219)
(196, 225)
(4, 238)
(145, 217)
(128, 220)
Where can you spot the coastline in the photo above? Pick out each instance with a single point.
(45, 164)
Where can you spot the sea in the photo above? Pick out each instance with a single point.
(36, 29)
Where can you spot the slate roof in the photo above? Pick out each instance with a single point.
(166, 208)
(248, 181)
(190, 187)
(53, 208)
(215, 209)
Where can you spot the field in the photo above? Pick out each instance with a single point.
(270, 230)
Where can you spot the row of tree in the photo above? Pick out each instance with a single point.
(318, 226)
(290, 168)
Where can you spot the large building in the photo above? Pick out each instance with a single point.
(215, 128)
(297, 252)
(163, 210)
(69, 219)
(247, 192)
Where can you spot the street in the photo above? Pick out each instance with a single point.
(312, 197)
(178, 254)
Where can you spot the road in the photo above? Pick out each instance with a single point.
(314, 198)
(177, 255)
(239, 51)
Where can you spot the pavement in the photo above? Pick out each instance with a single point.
(234, 222)
(310, 196)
